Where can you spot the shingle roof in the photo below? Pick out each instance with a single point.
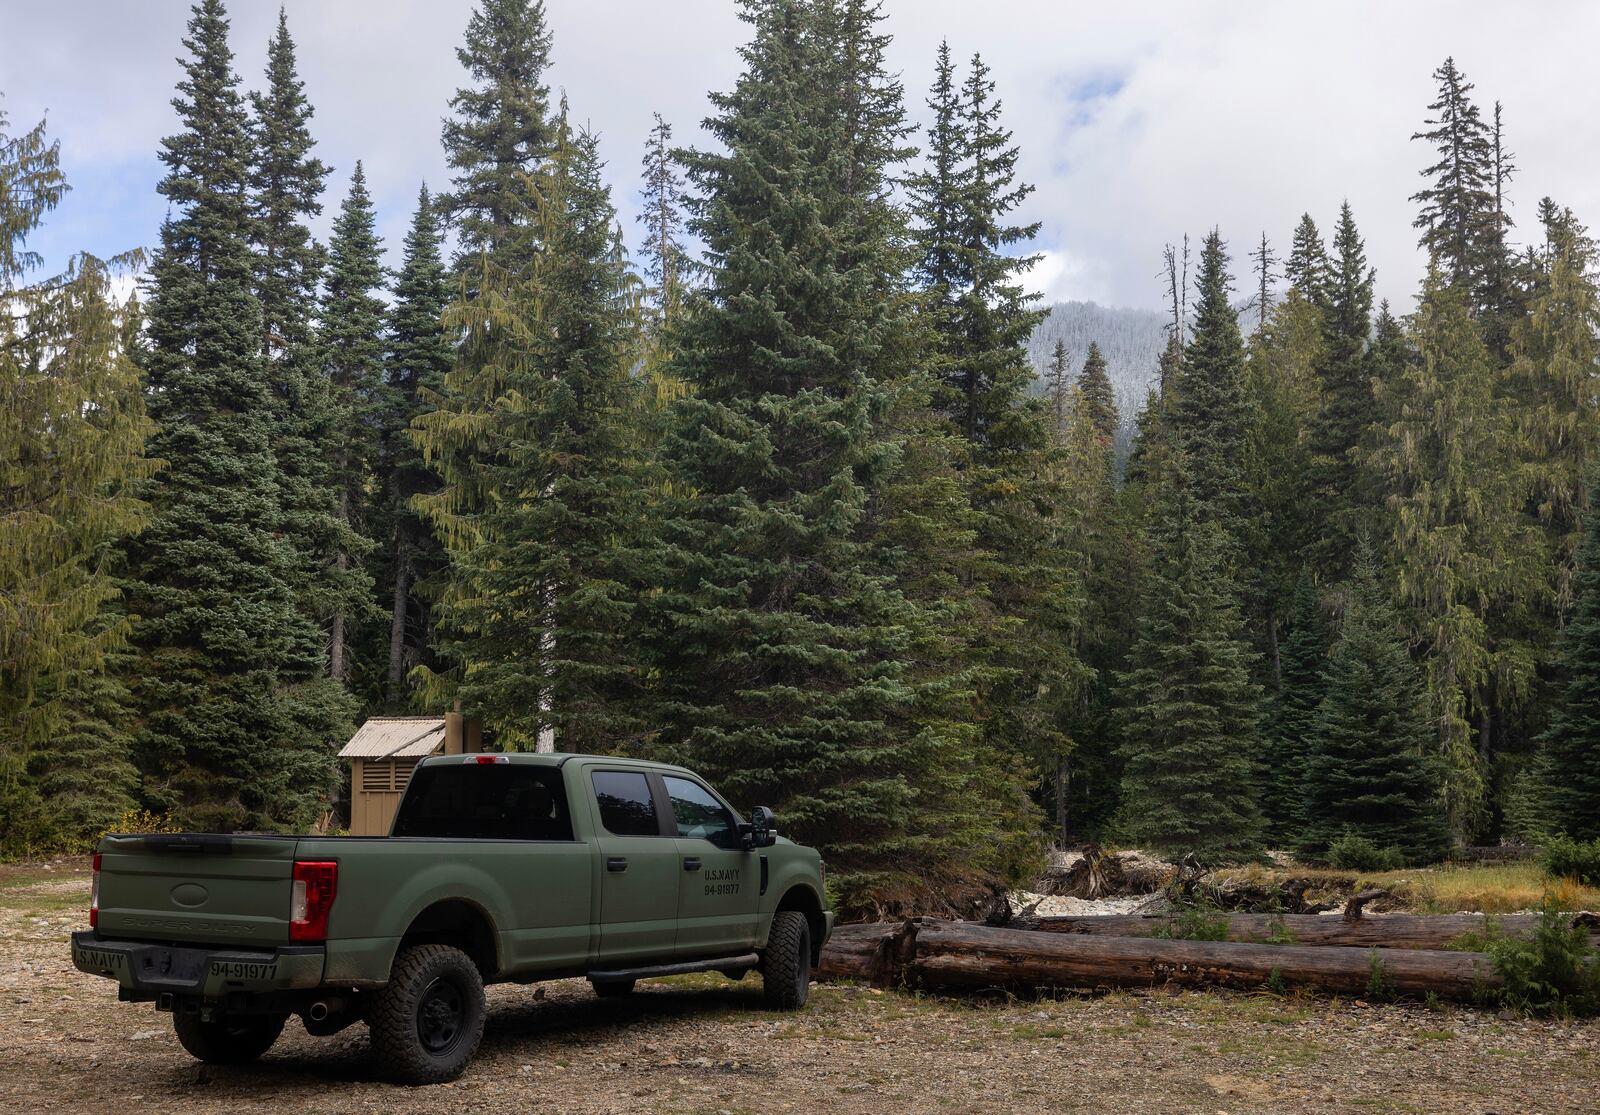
(390, 737)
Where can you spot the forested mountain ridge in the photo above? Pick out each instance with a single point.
(1131, 340)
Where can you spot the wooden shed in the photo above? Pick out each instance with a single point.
(384, 752)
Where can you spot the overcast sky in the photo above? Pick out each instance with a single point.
(1137, 121)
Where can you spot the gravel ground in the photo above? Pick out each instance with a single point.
(700, 1044)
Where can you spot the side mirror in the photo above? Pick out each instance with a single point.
(763, 827)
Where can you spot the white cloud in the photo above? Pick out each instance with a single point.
(1138, 122)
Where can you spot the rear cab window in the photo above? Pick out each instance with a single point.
(485, 801)
(627, 807)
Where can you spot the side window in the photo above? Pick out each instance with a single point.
(626, 807)
(698, 814)
(497, 802)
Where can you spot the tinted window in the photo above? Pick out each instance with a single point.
(491, 801)
(626, 807)
(701, 815)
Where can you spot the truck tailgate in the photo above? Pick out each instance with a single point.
(196, 888)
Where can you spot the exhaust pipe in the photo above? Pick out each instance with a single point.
(318, 1011)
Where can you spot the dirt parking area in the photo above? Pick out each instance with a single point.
(703, 1045)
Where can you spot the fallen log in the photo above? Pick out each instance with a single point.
(1392, 931)
(933, 953)
(961, 954)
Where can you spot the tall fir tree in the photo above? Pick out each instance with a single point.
(418, 357)
(1189, 710)
(1368, 771)
(782, 639)
(72, 436)
(1058, 388)
(235, 728)
(1291, 732)
(1307, 269)
(666, 262)
(499, 130)
(1099, 397)
(1457, 207)
(1569, 769)
(351, 344)
(1346, 410)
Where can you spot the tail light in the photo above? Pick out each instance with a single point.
(311, 894)
(94, 895)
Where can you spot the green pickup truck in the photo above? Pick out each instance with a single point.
(497, 868)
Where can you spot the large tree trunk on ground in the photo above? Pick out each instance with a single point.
(949, 954)
(1391, 931)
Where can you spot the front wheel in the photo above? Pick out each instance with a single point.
(427, 1021)
(227, 1041)
(786, 962)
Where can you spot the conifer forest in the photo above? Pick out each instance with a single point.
(792, 480)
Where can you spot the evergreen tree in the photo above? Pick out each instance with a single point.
(1058, 389)
(1307, 269)
(351, 343)
(500, 130)
(1099, 398)
(1457, 212)
(419, 355)
(1293, 729)
(1347, 408)
(1209, 412)
(545, 632)
(72, 435)
(783, 641)
(1189, 710)
(1265, 259)
(666, 263)
(1368, 771)
(286, 181)
(1570, 763)
(233, 727)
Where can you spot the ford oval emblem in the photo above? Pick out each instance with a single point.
(189, 894)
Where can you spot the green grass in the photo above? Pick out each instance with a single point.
(1489, 888)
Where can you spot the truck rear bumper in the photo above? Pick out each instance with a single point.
(147, 970)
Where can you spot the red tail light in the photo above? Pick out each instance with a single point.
(315, 882)
(94, 895)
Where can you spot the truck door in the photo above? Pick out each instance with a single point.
(719, 880)
(639, 869)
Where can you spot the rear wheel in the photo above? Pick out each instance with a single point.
(225, 1040)
(612, 988)
(427, 1021)
(786, 961)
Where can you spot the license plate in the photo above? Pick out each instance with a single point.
(245, 969)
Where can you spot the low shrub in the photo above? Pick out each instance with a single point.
(1354, 852)
(1565, 858)
(1555, 971)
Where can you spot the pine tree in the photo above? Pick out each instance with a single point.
(500, 130)
(783, 639)
(1189, 709)
(234, 729)
(1347, 409)
(1292, 730)
(1570, 763)
(1058, 388)
(286, 182)
(1368, 771)
(1458, 206)
(1099, 398)
(1265, 259)
(72, 434)
(419, 355)
(351, 345)
(1209, 413)
(1307, 268)
(666, 262)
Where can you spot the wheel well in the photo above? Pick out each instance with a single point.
(804, 899)
(461, 925)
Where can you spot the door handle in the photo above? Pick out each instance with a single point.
(691, 863)
(617, 863)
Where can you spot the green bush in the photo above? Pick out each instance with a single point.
(1354, 852)
(1202, 922)
(1565, 858)
(1553, 972)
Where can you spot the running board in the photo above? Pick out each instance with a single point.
(747, 961)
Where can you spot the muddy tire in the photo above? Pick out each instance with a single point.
(786, 962)
(427, 1021)
(227, 1041)
(612, 988)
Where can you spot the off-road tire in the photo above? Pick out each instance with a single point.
(612, 988)
(427, 1020)
(227, 1041)
(786, 962)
